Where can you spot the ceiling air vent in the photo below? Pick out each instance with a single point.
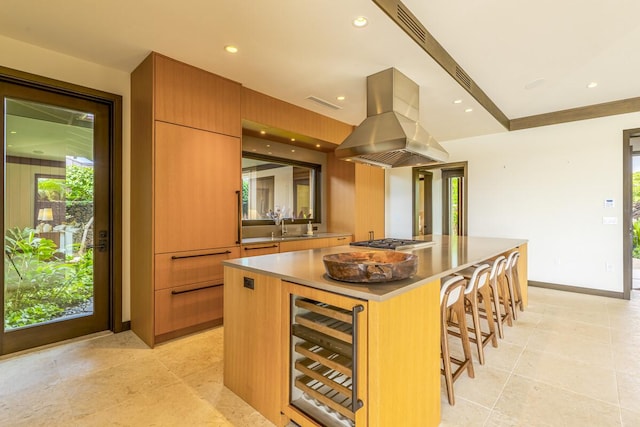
(463, 77)
(323, 102)
(412, 25)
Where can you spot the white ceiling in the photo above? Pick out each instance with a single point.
(291, 49)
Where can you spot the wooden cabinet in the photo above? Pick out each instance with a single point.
(356, 195)
(197, 176)
(274, 113)
(185, 175)
(192, 97)
(252, 346)
(369, 202)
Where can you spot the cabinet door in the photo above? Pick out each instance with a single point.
(193, 97)
(369, 195)
(252, 347)
(197, 175)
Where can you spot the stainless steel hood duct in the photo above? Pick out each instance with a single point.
(391, 136)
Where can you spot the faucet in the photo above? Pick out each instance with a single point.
(283, 226)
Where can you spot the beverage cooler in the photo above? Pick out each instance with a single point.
(327, 354)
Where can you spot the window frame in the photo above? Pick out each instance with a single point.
(317, 171)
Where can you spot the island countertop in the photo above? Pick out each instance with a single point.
(447, 255)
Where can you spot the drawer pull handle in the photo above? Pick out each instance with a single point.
(341, 238)
(199, 255)
(174, 292)
(260, 247)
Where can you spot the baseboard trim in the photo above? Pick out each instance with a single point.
(576, 289)
(125, 326)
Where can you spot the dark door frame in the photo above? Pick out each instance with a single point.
(627, 226)
(428, 170)
(114, 105)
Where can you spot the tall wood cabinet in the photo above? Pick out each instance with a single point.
(355, 198)
(186, 161)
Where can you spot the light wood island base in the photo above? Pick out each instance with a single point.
(398, 339)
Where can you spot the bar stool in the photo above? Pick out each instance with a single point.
(499, 294)
(452, 300)
(478, 289)
(513, 282)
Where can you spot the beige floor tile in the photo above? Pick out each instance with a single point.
(629, 390)
(171, 405)
(577, 347)
(630, 418)
(35, 406)
(28, 372)
(485, 388)
(115, 385)
(98, 354)
(197, 354)
(463, 413)
(504, 357)
(528, 402)
(597, 382)
(600, 334)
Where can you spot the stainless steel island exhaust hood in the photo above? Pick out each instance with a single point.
(391, 136)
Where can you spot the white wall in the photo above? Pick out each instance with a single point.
(35, 60)
(547, 185)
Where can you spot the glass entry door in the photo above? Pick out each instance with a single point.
(56, 186)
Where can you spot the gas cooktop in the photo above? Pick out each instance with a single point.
(394, 244)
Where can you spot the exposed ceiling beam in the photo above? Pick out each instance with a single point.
(405, 19)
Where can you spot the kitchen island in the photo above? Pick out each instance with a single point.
(392, 338)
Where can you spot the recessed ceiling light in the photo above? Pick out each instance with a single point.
(317, 145)
(458, 101)
(13, 132)
(262, 132)
(231, 48)
(293, 151)
(340, 98)
(468, 110)
(360, 21)
(268, 145)
(592, 85)
(293, 140)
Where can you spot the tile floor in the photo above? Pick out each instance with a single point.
(570, 360)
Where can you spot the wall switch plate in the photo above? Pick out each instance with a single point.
(608, 267)
(248, 283)
(609, 220)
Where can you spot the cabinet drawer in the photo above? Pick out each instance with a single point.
(339, 241)
(260, 249)
(183, 268)
(184, 306)
(300, 245)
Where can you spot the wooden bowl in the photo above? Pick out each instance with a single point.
(374, 266)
